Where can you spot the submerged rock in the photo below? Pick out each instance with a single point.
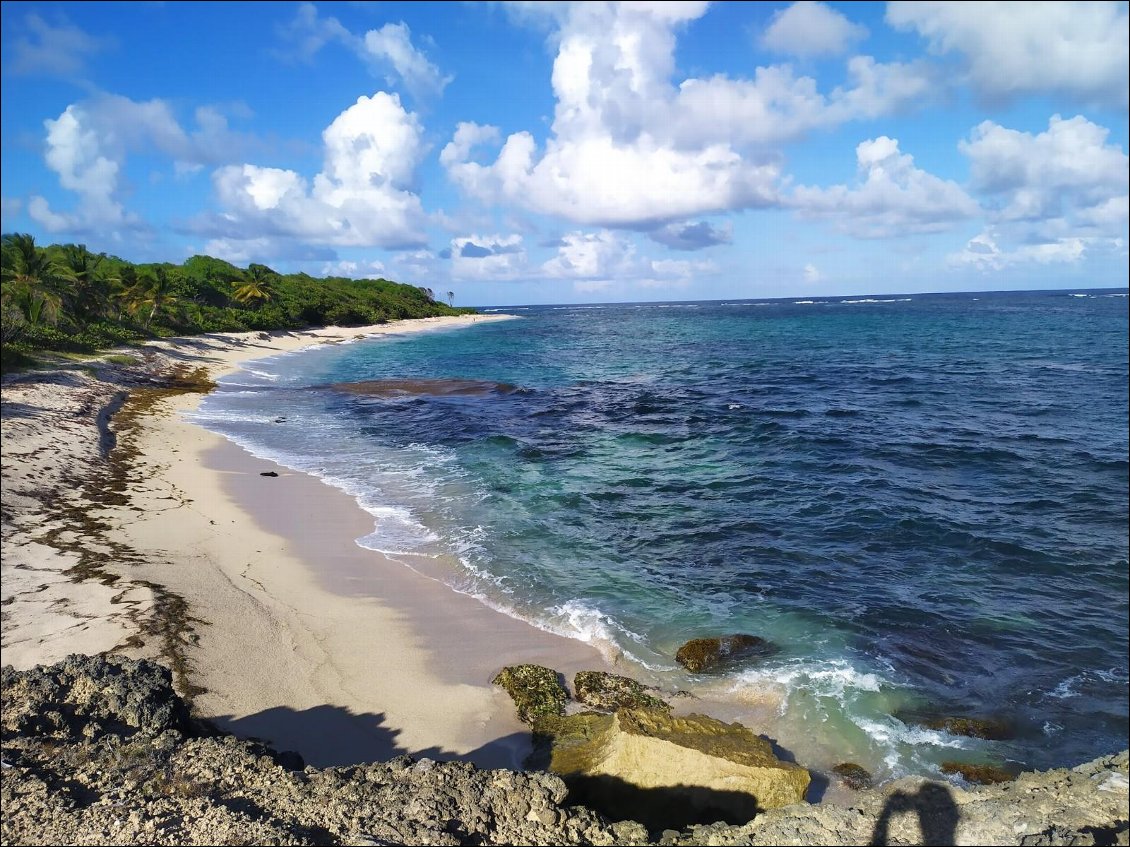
(989, 729)
(703, 654)
(537, 692)
(609, 692)
(854, 776)
(421, 387)
(664, 770)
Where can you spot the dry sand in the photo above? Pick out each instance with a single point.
(171, 545)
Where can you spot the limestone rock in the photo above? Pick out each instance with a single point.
(91, 696)
(98, 769)
(704, 654)
(537, 692)
(608, 692)
(657, 768)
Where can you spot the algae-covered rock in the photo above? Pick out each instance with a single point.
(983, 774)
(537, 692)
(656, 768)
(609, 692)
(854, 776)
(703, 654)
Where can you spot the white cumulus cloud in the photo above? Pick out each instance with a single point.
(1053, 196)
(630, 149)
(488, 257)
(984, 253)
(892, 197)
(387, 51)
(56, 49)
(392, 43)
(87, 146)
(1067, 172)
(372, 269)
(362, 197)
(605, 257)
(1076, 48)
(809, 28)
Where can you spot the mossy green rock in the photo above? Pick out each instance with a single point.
(703, 654)
(536, 691)
(854, 776)
(651, 766)
(609, 692)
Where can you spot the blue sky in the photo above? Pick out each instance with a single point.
(555, 152)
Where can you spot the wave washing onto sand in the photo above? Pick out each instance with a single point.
(639, 495)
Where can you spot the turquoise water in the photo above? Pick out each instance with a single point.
(921, 500)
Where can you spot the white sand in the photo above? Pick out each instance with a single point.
(302, 637)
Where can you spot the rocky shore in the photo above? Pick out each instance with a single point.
(101, 750)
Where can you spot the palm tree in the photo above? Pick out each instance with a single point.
(259, 288)
(92, 289)
(153, 292)
(451, 298)
(36, 283)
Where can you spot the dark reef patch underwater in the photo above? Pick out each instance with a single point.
(921, 500)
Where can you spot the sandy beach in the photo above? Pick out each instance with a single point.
(127, 528)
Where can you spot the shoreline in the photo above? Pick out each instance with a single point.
(301, 638)
(361, 658)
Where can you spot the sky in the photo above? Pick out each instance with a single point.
(516, 153)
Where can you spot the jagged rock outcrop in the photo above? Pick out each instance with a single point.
(120, 764)
(90, 696)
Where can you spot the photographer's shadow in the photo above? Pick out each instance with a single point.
(937, 815)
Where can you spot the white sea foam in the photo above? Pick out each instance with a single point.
(582, 622)
(828, 678)
(890, 732)
(876, 300)
(1066, 688)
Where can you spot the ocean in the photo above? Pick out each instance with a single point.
(920, 500)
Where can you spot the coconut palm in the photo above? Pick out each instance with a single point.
(34, 282)
(153, 293)
(257, 289)
(91, 289)
(451, 298)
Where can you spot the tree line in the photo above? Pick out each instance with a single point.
(65, 298)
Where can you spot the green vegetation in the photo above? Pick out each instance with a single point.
(63, 298)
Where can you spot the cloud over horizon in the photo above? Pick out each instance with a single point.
(611, 149)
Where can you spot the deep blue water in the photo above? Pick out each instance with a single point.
(922, 500)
